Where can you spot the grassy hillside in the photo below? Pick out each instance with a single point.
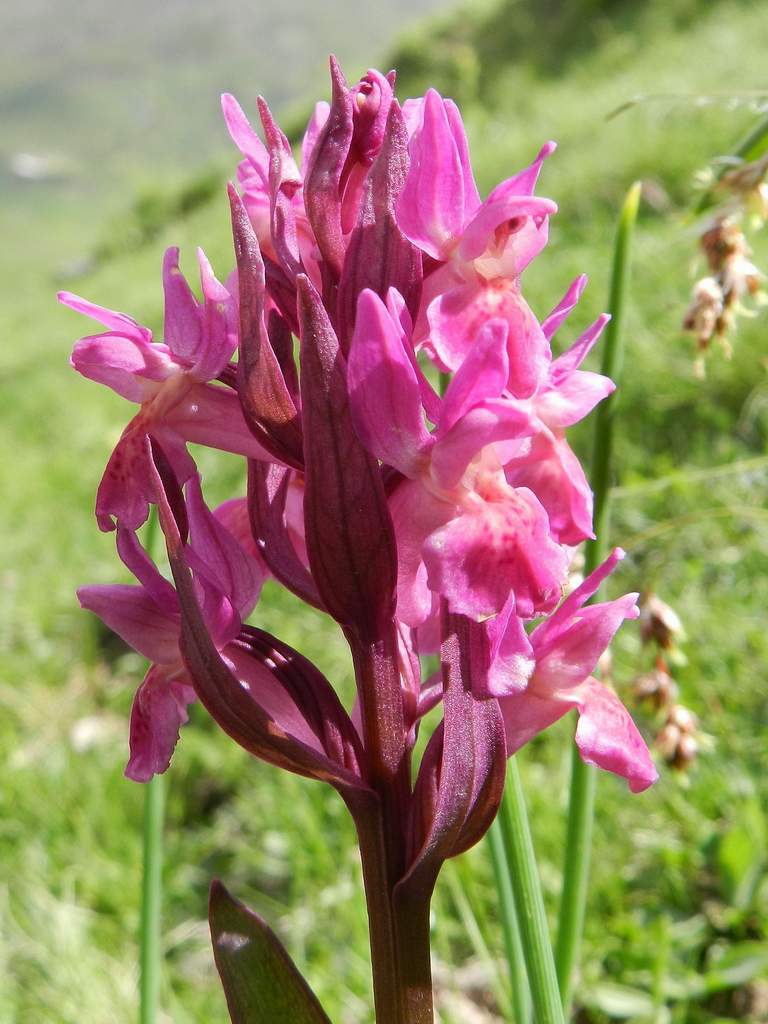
(680, 878)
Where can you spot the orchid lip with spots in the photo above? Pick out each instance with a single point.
(418, 521)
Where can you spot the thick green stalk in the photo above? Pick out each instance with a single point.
(529, 901)
(150, 957)
(578, 839)
(151, 900)
(518, 979)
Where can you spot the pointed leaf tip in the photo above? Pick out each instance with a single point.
(261, 982)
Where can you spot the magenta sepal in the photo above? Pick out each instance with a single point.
(276, 704)
(461, 779)
(322, 190)
(379, 256)
(267, 493)
(268, 406)
(349, 534)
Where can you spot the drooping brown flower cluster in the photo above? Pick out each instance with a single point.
(733, 280)
(678, 739)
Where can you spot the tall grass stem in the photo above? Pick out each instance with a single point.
(581, 807)
(513, 946)
(151, 901)
(529, 901)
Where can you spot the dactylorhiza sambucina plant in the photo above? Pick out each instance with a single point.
(420, 522)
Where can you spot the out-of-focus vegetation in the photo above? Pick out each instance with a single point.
(677, 927)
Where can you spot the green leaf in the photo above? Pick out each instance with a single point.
(620, 1001)
(261, 982)
(741, 857)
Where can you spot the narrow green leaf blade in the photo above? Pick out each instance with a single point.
(261, 982)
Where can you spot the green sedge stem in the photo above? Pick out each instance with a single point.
(150, 958)
(151, 900)
(518, 979)
(529, 901)
(474, 932)
(578, 839)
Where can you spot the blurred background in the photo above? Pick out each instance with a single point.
(112, 147)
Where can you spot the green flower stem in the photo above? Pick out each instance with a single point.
(578, 840)
(150, 957)
(526, 888)
(518, 979)
(151, 900)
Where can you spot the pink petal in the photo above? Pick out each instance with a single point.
(312, 132)
(384, 391)
(573, 357)
(456, 316)
(483, 374)
(135, 558)
(132, 614)
(526, 715)
(524, 182)
(501, 546)
(499, 210)
(554, 474)
(245, 138)
(511, 654)
(212, 416)
(228, 566)
(159, 710)
(119, 323)
(127, 487)
(494, 420)
(415, 514)
(399, 312)
(608, 738)
(571, 605)
(219, 315)
(471, 195)
(573, 399)
(565, 307)
(430, 209)
(182, 330)
(567, 659)
(234, 516)
(133, 367)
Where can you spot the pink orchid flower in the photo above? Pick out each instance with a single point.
(545, 462)
(481, 248)
(535, 692)
(462, 530)
(169, 381)
(148, 618)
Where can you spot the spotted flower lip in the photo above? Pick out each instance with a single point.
(170, 381)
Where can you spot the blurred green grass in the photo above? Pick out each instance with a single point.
(679, 874)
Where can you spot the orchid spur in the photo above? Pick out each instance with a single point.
(417, 522)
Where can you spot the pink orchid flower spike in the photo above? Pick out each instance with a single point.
(148, 618)
(462, 530)
(169, 381)
(565, 650)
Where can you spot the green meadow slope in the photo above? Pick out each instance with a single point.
(678, 922)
